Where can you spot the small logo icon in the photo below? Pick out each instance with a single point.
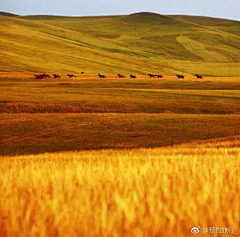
(195, 230)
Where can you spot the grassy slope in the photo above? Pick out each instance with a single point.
(140, 192)
(138, 43)
(230, 26)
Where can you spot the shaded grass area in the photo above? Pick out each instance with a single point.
(37, 133)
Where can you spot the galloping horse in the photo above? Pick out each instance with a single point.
(151, 75)
(199, 76)
(180, 76)
(38, 76)
(121, 76)
(101, 76)
(159, 76)
(42, 76)
(132, 76)
(56, 76)
(71, 76)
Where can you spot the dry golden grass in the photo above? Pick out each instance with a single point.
(141, 192)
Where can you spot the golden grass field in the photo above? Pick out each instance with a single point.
(140, 192)
(90, 157)
(120, 191)
(87, 113)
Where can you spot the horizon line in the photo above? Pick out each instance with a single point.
(102, 15)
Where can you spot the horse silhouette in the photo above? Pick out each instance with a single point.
(71, 76)
(121, 76)
(199, 76)
(56, 76)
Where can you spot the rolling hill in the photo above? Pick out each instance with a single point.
(138, 43)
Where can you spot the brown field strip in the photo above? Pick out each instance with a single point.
(36, 133)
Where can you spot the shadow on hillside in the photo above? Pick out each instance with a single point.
(217, 142)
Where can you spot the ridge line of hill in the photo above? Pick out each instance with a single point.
(110, 16)
(205, 27)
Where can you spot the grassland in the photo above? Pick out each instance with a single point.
(212, 23)
(138, 43)
(128, 158)
(140, 192)
(88, 113)
(119, 96)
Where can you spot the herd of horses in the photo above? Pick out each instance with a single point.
(100, 75)
(45, 76)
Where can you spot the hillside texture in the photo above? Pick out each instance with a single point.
(139, 43)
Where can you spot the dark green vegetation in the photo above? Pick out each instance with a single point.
(8, 14)
(139, 43)
(63, 115)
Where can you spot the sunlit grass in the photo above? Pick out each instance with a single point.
(144, 192)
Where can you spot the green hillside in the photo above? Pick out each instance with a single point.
(139, 43)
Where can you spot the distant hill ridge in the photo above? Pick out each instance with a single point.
(7, 14)
(139, 43)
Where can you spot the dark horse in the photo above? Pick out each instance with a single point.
(45, 75)
(180, 76)
(71, 76)
(151, 75)
(38, 76)
(42, 76)
(101, 76)
(121, 76)
(132, 76)
(159, 76)
(56, 76)
(199, 76)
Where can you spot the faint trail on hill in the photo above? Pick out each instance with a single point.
(207, 27)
